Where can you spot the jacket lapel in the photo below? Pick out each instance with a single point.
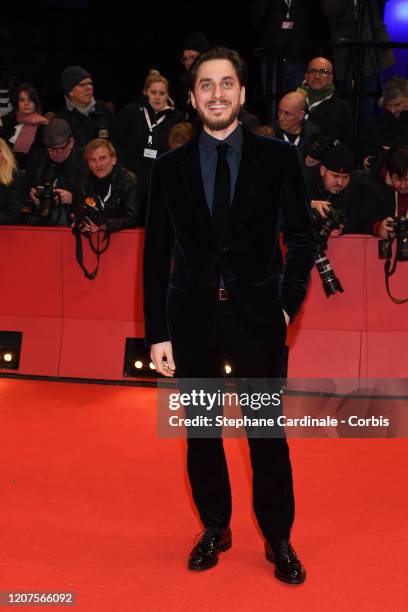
(191, 172)
(246, 177)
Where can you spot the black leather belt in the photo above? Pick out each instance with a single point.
(223, 295)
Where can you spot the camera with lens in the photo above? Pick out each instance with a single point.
(320, 146)
(88, 212)
(400, 232)
(48, 200)
(324, 227)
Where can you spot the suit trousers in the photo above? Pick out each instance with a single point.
(255, 350)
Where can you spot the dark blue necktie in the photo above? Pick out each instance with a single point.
(222, 191)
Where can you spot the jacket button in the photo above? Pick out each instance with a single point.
(225, 249)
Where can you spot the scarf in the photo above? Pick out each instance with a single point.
(84, 110)
(316, 95)
(27, 133)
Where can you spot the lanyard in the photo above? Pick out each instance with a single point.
(295, 142)
(151, 126)
(289, 5)
(106, 198)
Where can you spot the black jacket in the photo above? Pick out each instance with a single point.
(121, 210)
(98, 124)
(131, 132)
(11, 200)
(385, 129)
(183, 260)
(267, 17)
(334, 119)
(130, 136)
(65, 175)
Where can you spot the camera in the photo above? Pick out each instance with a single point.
(324, 226)
(88, 212)
(48, 200)
(400, 229)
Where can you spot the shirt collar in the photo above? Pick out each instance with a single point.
(208, 144)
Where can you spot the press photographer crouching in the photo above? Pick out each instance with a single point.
(386, 193)
(108, 199)
(108, 202)
(335, 187)
(387, 210)
(53, 177)
(336, 196)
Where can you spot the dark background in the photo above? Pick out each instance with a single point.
(118, 43)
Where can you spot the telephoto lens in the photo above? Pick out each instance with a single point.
(330, 282)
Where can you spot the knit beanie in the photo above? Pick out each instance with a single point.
(197, 42)
(340, 158)
(72, 76)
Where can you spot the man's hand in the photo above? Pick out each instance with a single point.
(88, 227)
(33, 195)
(287, 319)
(65, 196)
(161, 355)
(322, 207)
(386, 228)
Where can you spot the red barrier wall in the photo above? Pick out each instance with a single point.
(75, 327)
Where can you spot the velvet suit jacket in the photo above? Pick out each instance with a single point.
(183, 259)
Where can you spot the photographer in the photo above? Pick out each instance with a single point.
(334, 186)
(386, 194)
(54, 172)
(108, 192)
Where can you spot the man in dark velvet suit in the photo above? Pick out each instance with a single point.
(215, 284)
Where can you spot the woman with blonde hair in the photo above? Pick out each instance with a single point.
(142, 128)
(12, 188)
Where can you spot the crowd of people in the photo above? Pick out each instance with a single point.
(86, 157)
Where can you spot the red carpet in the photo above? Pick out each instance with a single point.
(94, 503)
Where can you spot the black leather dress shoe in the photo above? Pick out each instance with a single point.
(288, 567)
(205, 553)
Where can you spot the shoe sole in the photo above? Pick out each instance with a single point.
(279, 576)
(222, 548)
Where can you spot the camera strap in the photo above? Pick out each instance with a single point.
(389, 271)
(96, 249)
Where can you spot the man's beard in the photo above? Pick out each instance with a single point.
(221, 123)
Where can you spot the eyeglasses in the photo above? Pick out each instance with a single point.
(86, 84)
(60, 149)
(322, 72)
